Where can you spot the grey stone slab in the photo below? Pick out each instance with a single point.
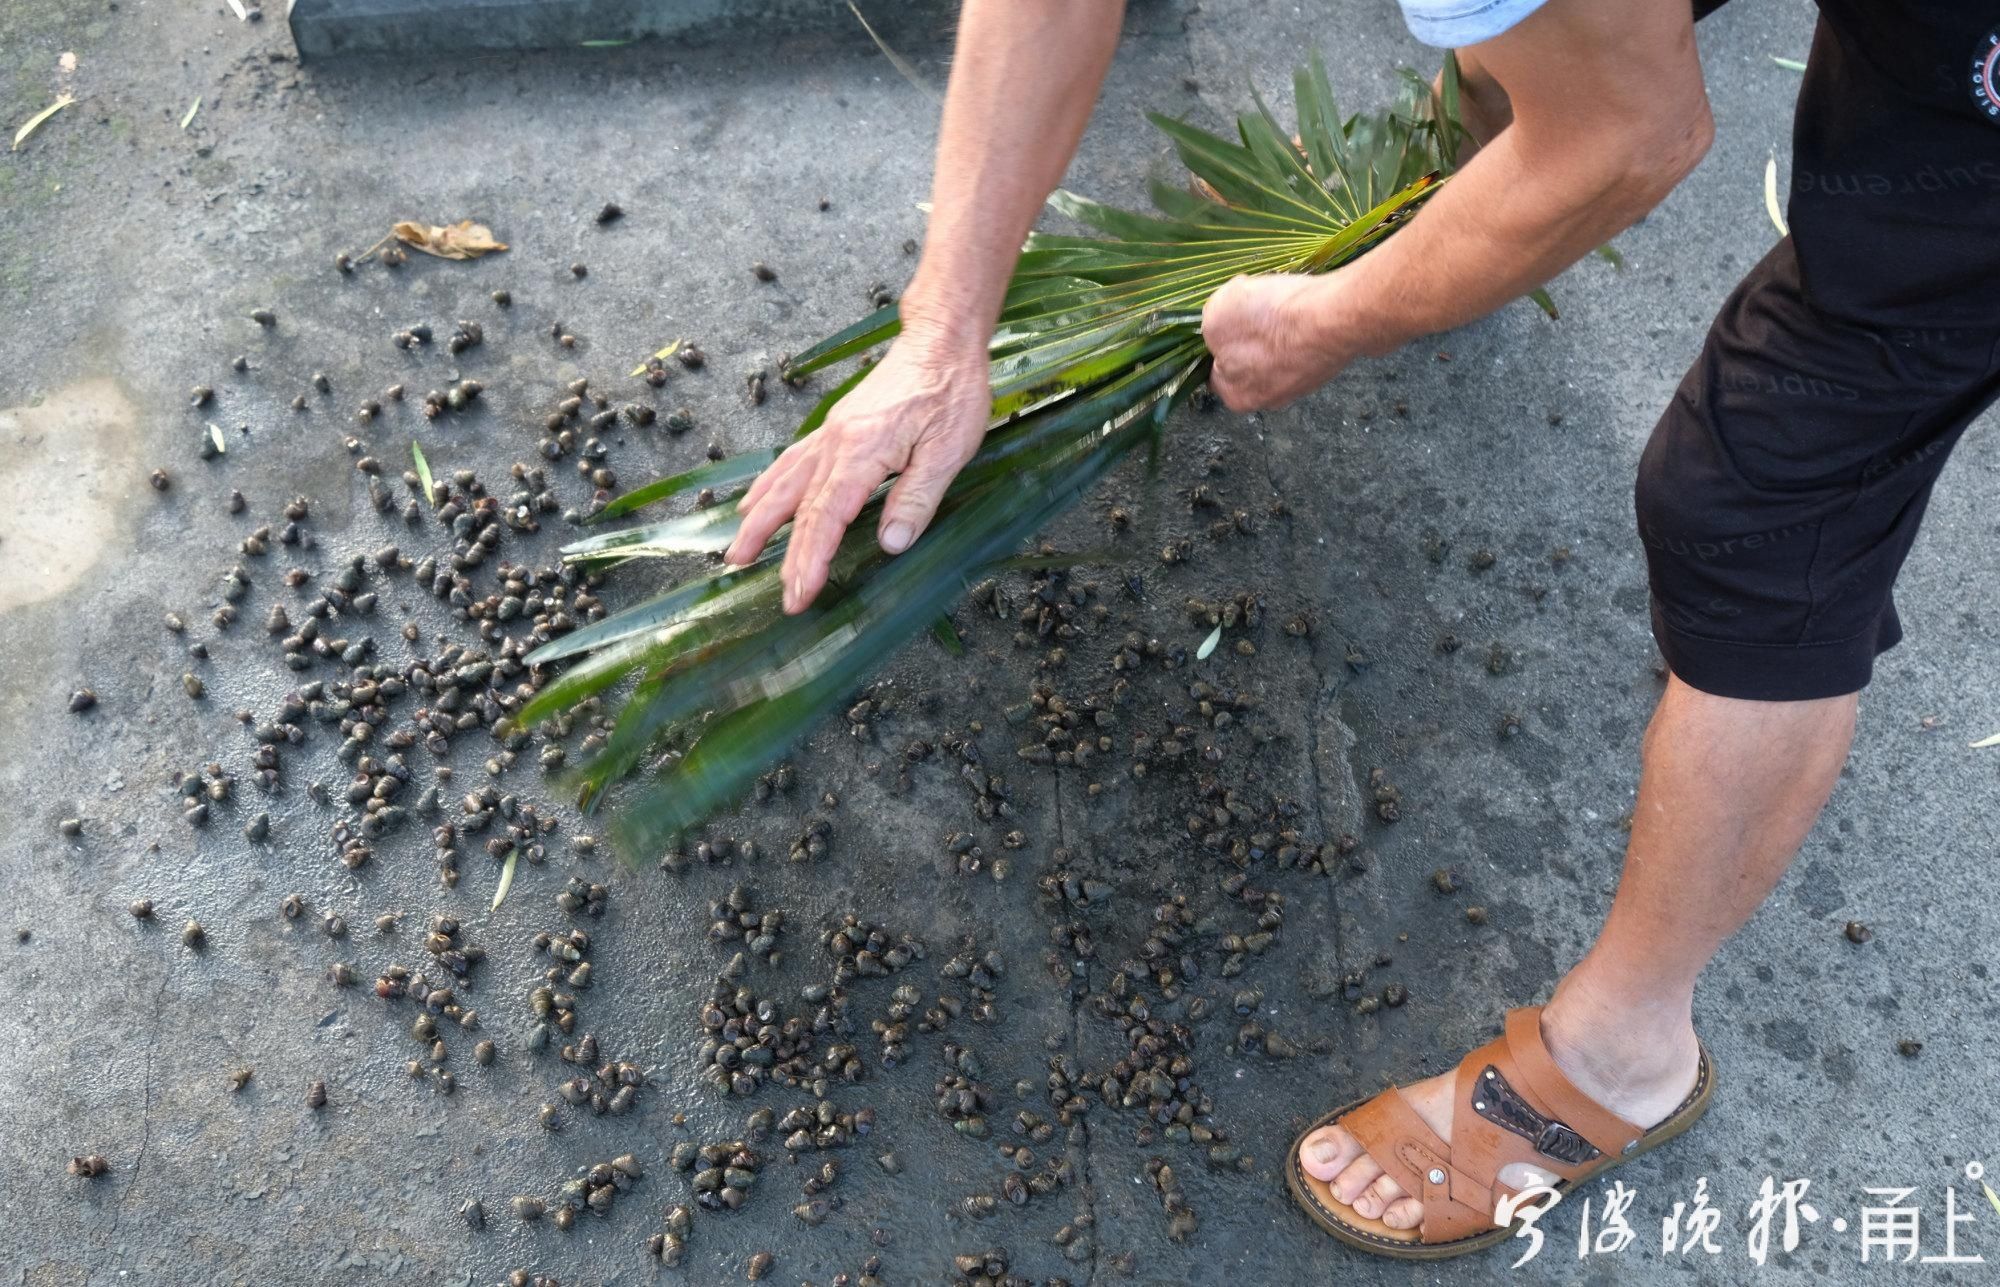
(444, 29)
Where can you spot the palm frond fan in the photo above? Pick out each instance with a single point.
(1098, 342)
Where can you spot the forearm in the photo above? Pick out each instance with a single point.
(1595, 110)
(1025, 76)
(1500, 228)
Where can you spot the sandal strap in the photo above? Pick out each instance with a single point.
(1511, 1104)
(1557, 1098)
(1456, 1203)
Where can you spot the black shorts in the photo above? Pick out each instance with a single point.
(1783, 486)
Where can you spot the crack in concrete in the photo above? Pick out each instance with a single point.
(1084, 1184)
(1323, 688)
(146, 1103)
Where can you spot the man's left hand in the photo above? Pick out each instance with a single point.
(1271, 340)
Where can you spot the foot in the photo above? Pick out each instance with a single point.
(1640, 1072)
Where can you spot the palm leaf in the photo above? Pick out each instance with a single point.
(1098, 340)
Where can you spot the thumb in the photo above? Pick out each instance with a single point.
(1220, 304)
(914, 499)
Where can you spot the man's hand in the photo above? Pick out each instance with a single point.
(1024, 75)
(920, 414)
(1272, 339)
(1589, 112)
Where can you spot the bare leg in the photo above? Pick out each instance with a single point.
(1727, 793)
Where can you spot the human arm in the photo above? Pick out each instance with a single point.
(1608, 114)
(1025, 76)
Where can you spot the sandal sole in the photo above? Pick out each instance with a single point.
(1677, 1123)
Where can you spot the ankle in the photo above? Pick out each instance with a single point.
(1619, 1043)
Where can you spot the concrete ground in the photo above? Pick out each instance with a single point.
(132, 250)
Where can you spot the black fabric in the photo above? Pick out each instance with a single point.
(1895, 194)
(1783, 486)
(1781, 490)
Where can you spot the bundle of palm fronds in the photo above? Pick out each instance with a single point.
(1098, 342)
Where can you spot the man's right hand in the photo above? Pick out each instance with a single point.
(1024, 74)
(920, 413)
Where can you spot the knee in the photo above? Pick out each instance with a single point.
(1654, 492)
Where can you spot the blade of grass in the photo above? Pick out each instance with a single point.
(718, 473)
(896, 60)
(424, 473)
(706, 531)
(824, 407)
(36, 121)
(657, 613)
(883, 324)
(947, 634)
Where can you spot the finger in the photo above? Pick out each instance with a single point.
(913, 501)
(815, 472)
(759, 518)
(1233, 394)
(822, 520)
(776, 471)
(1220, 301)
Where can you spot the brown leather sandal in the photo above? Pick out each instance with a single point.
(1513, 1105)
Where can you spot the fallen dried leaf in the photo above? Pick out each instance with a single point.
(661, 356)
(1789, 64)
(35, 121)
(1771, 206)
(462, 240)
(195, 107)
(242, 14)
(1985, 742)
(506, 880)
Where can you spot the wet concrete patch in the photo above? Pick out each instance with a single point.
(69, 479)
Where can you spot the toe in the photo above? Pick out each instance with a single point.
(1403, 1213)
(1326, 1152)
(1350, 1183)
(1385, 1191)
(1375, 1199)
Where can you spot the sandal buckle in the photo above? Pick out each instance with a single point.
(1565, 1145)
